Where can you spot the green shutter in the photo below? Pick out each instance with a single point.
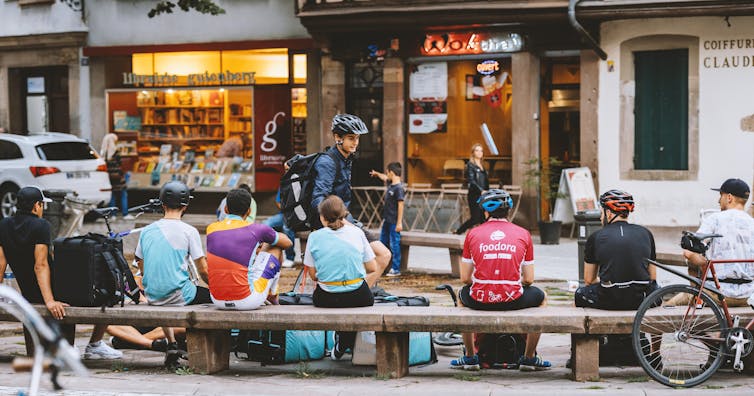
(661, 109)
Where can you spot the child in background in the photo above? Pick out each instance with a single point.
(392, 213)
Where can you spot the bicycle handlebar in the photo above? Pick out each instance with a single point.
(154, 205)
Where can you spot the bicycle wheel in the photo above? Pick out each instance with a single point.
(678, 342)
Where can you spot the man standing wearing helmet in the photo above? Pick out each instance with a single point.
(167, 253)
(618, 253)
(346, 130)
(498, 270)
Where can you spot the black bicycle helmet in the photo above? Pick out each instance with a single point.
(346, 124)
(495, 199)
(175, 194)
(617, 201)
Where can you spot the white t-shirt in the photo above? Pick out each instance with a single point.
(737, 229)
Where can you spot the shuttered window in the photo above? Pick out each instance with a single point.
(661, 110)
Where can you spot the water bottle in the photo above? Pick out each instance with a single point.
(9, 279)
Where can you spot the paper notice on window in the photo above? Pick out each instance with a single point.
(429, 82)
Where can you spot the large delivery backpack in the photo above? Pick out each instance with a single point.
(279, 346)
(421, 350)
(296, 188)
(90, 271)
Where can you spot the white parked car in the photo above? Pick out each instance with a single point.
(50, 161)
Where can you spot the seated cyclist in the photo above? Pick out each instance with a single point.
(737, 241)
(619, 253)
(498, 270)
(243, 259)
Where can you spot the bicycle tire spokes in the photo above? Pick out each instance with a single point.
(679, 342)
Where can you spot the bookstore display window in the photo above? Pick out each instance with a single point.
(203, 137)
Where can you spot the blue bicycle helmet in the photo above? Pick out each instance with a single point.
(495, 199)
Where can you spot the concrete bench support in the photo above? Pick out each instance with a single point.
(208, 350)
(585, 357)
(392, 354)
(455, 260)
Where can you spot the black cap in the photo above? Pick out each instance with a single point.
(31, 195)
(735, 187)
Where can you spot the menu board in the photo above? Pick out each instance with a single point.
(428, 93)
(576, 192)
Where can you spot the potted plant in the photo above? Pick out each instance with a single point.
(546, 179)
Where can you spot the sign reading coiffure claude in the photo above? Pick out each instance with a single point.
(469, 43)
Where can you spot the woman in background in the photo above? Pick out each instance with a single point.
(476, 178)
(117, 179)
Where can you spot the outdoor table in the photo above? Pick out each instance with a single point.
(370, 199)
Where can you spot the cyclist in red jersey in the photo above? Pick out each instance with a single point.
(498, 270)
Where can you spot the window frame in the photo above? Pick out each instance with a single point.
(627, 94)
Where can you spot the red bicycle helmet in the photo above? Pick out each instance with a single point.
(617, 201)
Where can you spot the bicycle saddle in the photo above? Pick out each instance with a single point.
(693, 241)
(107, 211)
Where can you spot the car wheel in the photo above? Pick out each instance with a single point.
(8, 200)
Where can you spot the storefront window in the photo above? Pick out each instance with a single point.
(453, 105)
(299, 69)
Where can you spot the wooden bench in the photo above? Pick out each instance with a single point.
(454, 244)
(209, 342)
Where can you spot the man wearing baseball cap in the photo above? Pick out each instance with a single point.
(737, 242)
(25, 244)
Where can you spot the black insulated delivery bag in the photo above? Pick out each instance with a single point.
(90, 271)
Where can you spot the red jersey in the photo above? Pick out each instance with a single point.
(498, 249)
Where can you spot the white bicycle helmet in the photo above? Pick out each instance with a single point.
(346, 124)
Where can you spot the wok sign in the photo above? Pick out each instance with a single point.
(471, 43)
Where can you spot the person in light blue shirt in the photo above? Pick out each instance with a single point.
(338, 257)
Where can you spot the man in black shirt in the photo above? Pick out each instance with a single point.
(618, 252)
(25, 244)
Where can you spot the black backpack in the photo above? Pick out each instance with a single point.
(296, 188)
(90, 271)
(500, 351)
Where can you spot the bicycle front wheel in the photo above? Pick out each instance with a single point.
(679, 340)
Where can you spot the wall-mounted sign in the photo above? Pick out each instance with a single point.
(488, 67)
(272, 137)
(195, 79)
(471, 43)
(428, 92)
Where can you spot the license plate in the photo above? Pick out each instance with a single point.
(77, 175)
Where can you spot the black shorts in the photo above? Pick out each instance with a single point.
(361, 297)
(532, 297)
(613, 298)
(202, 296)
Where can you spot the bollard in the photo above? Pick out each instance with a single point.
(587, 222)
(55, 209)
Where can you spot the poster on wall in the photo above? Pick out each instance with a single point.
(428, 94)
(272, 135)
(577, 194)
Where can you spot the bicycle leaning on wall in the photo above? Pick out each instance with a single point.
(681, 333)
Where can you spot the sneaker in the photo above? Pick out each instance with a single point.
(173, 355)
(533, 364)
(336, 352)
(100, 350)
(393, 273)
(160, 345)
(287, 263)
(465, 363)
(128, 217)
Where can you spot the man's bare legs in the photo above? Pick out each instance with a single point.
(382, 257)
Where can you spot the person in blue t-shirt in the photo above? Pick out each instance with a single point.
(392, 213)
(343, 264)
(171, 258)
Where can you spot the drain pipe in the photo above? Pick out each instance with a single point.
(580, 29)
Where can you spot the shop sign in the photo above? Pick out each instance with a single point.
(471, 43)
(272, 141)
(730, 53)
(488, 67)
(194, 79)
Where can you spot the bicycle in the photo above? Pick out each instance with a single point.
(51, 351)
(681, 335)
